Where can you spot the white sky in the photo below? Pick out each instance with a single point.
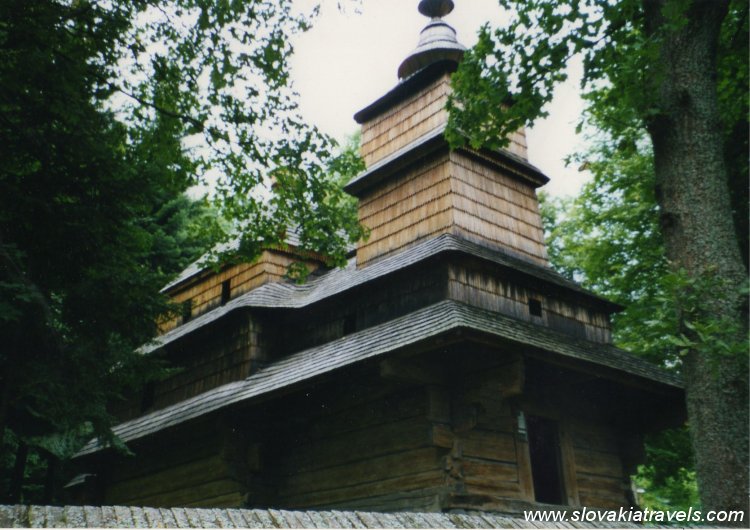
(348, 60)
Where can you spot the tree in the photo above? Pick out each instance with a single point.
(109, 111)
(608, 239)
(657, 66)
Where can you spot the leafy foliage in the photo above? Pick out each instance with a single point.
(109, 112)
(613, 236)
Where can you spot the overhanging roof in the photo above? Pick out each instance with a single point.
(336, 281)
(389, 166)
(404, 89)
(409, 330)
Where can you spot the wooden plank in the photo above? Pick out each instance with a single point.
(194, 495)
(604, 503)
(177, 449)
(598, 463)
(568, 464)
(354, 446)
(443, 436)
(411, 181)
(504, 490)
(613, 488)
(488, 474)
(370, 470)
(489, 445)
(421, 229)
(594, 441)
(183, 475)
(235, 499)
(418, 130)
(525, 478)
(399, 483)
(487, 231)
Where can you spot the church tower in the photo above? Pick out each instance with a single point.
(416, 188)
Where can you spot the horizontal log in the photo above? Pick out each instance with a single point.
(502, 490)
(355, 493)
(489, 445)
(174, 450)
(605, 503)
(354, 446)
(598, 463)
(195, 495)
(603, 486)
(370, 470)
(489, 474)
(180, 476)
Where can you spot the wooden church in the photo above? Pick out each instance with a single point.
(447, 367)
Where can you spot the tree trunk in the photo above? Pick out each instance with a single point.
(700, 237)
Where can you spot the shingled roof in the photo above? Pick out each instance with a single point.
(137, 517)
(379, 340)
(433, 141)
(336, 281)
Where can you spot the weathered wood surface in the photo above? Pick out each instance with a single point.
(183, 469)
(422, 325)
(406, 210)
(405, 122)
(205, 292)
(230, 351)
(489, 290)
(360, 442)
(601, 478)
(496, 208)
(457, 194)
(338, 281)
(415, 116)
(401, 294)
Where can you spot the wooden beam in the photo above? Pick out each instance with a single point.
(413, 371)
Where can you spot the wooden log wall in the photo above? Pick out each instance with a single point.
(399, 294)
(378, 440)
(482, 287)
(599, 466)
(365, 445)
(229, 350)
(489, 463)
(413, 118)
(487, 459)
(205, 293)
(196, 467)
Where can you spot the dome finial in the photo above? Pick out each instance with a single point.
(435, 8)
(437, 42)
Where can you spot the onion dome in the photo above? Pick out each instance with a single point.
(437, 42)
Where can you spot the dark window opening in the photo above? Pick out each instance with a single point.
(546, 462)
(226, 291)
(350, 325)
(535, 307)
(187, 311)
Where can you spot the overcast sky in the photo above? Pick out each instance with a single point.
(348, 60)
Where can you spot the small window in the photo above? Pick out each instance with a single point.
(187, 311)
(546, 462)
(226, 291)
(535, 307)
(350, 325)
